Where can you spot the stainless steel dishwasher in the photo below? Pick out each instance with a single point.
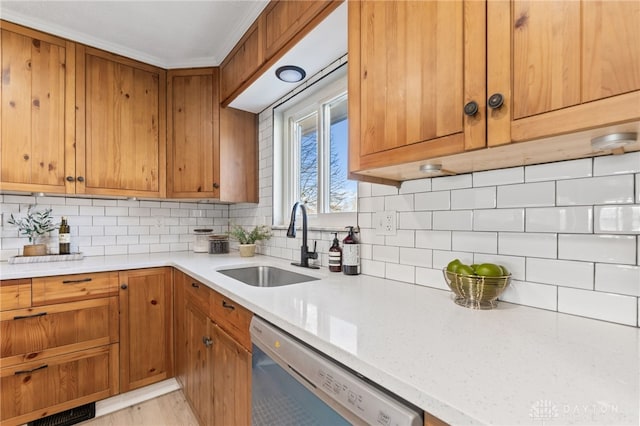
(293, 384)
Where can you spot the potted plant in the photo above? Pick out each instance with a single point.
(247, 239)
(34, 225)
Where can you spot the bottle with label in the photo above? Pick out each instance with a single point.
(350, 254)
(335, 255)
(64, 237)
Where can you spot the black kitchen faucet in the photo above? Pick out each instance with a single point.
(305, 254)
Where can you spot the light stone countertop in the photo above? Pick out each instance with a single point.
(511, 365)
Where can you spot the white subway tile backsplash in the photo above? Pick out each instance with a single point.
(90, 230)
(365, 220)
(498, 220)
(379, 190)
(638, 188)
(560, 219)
(514, 264)
(129, 203)
(594, 304)
(65, 210)
(439, 200)
(139, 248)
(364, 189)
(386, 254)
(400, 203)
(598, 248)
(527, 195)
(622, 279)
(371, 204)
(113, 250)
(531, 294)
(403, 238)
(477, 242)
(414, 220)
(104, 203)
(413, 186)
(416, 257)
(565, 273)
(442, 258)
(107, 240)
(559, 171)
(91, 211)
(617, 219)
(116, 211)
(373, 267)
(105, 221)
(78, 202)
(139, 211)
(128, 221)
(596, 190)
(458, 220)
(475, 198)
(616, 164)
(498, 177)
(434, 239)
(127, 239)
(398, 272)
(451, 182)
(115, 230)
(528, 244)
(429, 277)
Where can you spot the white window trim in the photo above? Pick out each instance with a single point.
(285, 161)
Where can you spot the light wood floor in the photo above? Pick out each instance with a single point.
(167, 410)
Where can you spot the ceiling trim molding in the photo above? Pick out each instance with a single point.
(243, 25)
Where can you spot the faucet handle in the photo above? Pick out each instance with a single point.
(314, 254)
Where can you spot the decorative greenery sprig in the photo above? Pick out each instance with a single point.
(243, 236)
(34, 224)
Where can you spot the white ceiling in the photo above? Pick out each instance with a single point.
(179, 34)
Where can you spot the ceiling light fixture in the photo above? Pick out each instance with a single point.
(613, 141)
(430, 168)
(290, 74)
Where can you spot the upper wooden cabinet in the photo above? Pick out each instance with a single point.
(36, 110)
(238, 156)
(561, 66)
(193, 153)
(280, 25)
(120, 125)
(437, 81)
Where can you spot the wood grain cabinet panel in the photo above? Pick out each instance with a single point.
(47, 386)
(238, 156)
(193, 133)
(241, 63)
(15, 294)
(36, 110)
(146, 329)
(66, 288)
(120, 127)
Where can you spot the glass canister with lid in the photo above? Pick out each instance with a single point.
(201, 240)
(218, 244)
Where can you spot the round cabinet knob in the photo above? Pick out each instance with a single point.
(70, 178)
(216, 185)
(471, 108)
(495, 101)
(207, 341)
(123, 286)
(80, 179)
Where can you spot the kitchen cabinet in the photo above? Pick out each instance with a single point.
(497, 73)
(60, 351)
(37, 113)
(120, 126)
(214, 363)
(146, 329)
(193, 133)
(278, 28)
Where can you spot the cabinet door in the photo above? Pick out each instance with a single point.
(572, 66)
(37, 111)
(197, 341)
(121, 129)
(15, 294)
(146, 332)
(238, 156)
(41, 388)
(232, 381)
(243, 61)
(412, 67)
(193, 133)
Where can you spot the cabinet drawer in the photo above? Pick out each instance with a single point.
(40, 388)
(198, 294)
(232, 318)
(29, 335)
(15, 294)
(66, 288)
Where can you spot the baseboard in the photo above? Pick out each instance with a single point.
(124, 400)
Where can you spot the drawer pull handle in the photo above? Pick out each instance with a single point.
(39, 314)
(194, 285)
(83, 280)
(30, 371)
(207, 341)
(227, 306)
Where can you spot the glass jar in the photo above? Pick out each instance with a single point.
(218, 244)
(201, 240)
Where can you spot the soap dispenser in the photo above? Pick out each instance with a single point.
(335, 255)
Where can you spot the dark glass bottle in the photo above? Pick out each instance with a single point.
(335, 255)
(350, 254)
(64, 237)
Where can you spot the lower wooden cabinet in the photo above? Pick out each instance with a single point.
(146, 332)
(213, 367)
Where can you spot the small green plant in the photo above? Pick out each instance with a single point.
(243, 236)
(34, 224)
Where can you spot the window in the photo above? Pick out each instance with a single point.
(311, 131)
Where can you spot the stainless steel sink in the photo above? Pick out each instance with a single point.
(266, 276)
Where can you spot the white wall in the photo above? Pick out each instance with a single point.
(568, 231)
